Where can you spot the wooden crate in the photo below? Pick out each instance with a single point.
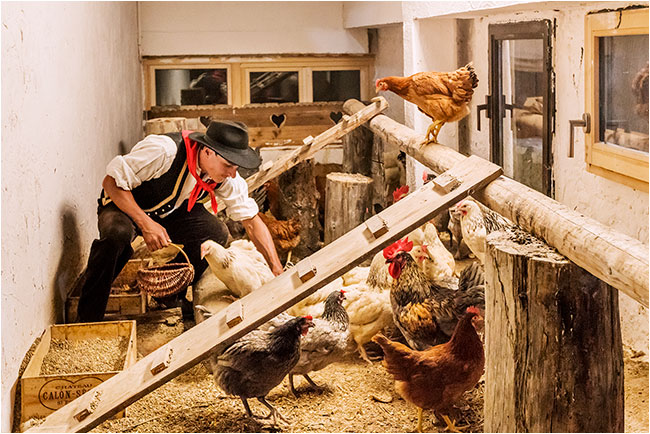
(43, 394)
(119, 304)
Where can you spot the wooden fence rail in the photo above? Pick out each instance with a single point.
(615, 258)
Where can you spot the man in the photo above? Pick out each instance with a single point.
(153, 191)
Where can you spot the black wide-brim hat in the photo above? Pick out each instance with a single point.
(230, 140)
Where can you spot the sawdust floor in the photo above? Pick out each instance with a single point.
(351, 400)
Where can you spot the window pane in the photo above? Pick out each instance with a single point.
(522, 77)
(623, 87)
(191, 86)
(276, 86)
(336, 85)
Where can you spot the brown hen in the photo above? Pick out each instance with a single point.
(443, 96)
(285, 233)
(437, 377)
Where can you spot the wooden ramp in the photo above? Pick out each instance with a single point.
(214, 334)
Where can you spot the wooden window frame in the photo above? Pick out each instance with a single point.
(238, 68)
(619, 164)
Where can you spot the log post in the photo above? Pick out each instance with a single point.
(164, 125)
(554, 359)
(357, 151)
(348, 199)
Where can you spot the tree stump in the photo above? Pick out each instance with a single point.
(299, 198)
(164, 125)
(357, 151)
(348, 198)
(554, 359)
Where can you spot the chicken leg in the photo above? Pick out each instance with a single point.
(432, 132)
(451, 425)
(273, 413)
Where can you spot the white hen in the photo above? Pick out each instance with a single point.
(241, 267)
(476, 224)
(436, 261)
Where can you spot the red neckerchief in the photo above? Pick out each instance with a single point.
(192, 150)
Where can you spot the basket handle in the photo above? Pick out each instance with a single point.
(182, 251)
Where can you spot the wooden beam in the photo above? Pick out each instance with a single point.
(213, 335)
(308, 150)
(615, 258)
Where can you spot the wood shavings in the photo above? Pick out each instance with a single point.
(67, 356)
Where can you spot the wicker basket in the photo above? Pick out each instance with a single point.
(166, 279)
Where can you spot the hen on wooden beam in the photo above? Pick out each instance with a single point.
(443, 96)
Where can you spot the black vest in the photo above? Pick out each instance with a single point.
(158, 196)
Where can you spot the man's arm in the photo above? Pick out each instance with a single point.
(155, 236)
(261, 237)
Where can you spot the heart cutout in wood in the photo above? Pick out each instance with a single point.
(336, 116)
(278, 120)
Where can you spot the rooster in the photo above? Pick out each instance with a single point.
(425, 312)
(437, 377)
(258, 362)
(443, 96)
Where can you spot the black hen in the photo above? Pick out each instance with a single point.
(258, 362)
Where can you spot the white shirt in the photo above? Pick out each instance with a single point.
(151, 157)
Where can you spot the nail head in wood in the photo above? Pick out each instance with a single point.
(308, 140)
(306, 270)
(377, 226)
(162, 361)
(234, 314)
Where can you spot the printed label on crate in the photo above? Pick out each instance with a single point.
(58, 392)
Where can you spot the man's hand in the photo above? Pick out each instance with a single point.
(155, 236)
(261, 237)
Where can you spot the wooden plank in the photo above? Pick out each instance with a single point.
(290, 159)
(213, 335)
(613, 257)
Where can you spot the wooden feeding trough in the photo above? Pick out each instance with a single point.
(45, 391)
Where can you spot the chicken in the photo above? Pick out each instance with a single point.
(425, 312)
(285, 233)
(328, 341)
(443, 96)
(240, 267)
(475, 225)
(258, 362)
(436, 261)
(437, 377)
(367, 304)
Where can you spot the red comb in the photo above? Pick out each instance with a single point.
(474, 310)
(398, 246)
(425, 176)
(400, 192)
(309, 318)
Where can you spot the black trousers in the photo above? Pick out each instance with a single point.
(110, 253)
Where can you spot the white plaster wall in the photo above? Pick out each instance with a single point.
(71, 100)
(371, 14)
(185, 28)
(389, 61)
